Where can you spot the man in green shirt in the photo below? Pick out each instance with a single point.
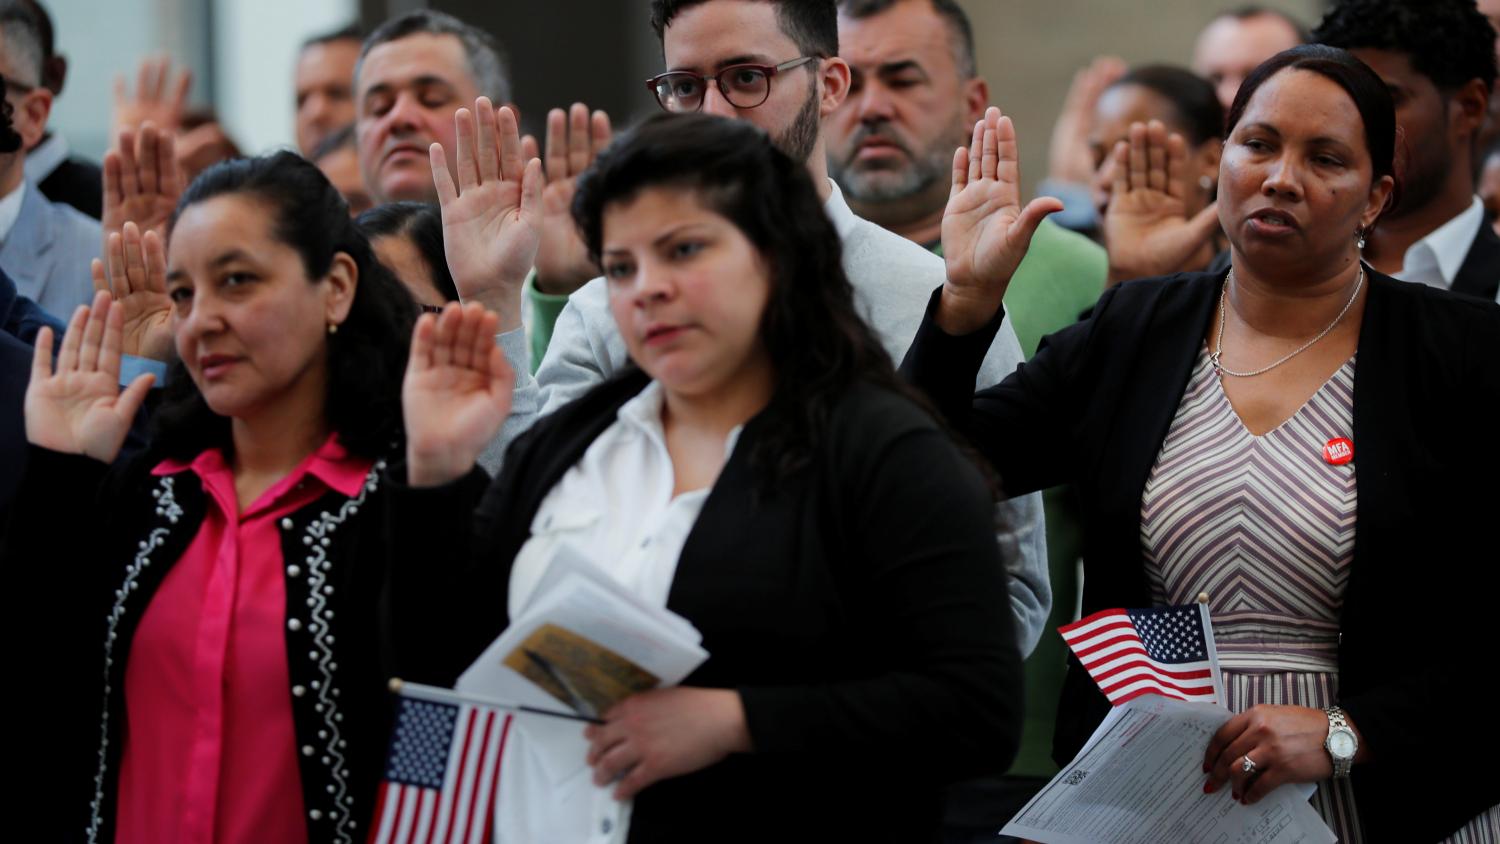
(914, 97)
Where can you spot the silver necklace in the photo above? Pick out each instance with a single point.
(1224, 311)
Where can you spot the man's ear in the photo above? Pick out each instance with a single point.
(31, 117)
(976, 94)
(1471, 102)
(835, 75)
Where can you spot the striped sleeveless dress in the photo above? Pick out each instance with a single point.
(1264, 526)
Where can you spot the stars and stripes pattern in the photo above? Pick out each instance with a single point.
(441, 774)
(1163, 651)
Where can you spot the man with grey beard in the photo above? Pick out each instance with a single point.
(914, 95)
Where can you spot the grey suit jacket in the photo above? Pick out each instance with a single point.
(48, 251)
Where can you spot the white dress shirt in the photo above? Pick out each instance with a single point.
(10, 210)
(616, 506)
(1436, 259)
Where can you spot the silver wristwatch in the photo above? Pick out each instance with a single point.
(1341, 743)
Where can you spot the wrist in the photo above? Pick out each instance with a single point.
(961, 312)
(428, 470)
(560, 284)
(504, 300)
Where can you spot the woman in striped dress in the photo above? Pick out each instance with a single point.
(1284, 439)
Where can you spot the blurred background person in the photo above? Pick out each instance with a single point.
(408, 238)
(60, 175)
(1237, 41)
(45, 246)
(1438, 58)
(414, 71)
(324, 85)
(337, 155)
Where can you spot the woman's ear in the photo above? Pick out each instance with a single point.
(1380, 198)
(342, 279)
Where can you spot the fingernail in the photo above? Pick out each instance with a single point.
(1208, 788)
(1236, 795)
(1205, 767)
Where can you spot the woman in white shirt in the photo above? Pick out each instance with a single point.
(762, 472)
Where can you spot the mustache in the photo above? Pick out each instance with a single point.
(881, 130)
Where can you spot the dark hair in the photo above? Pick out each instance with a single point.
(351, 32)
(1249, 11)
(1371, 98)
(1198, 110)
(486, 62)
(1448, 41)
(818, 345)
(338, 139)
(366, 358)
(422, 224)
(27, 38)
(813, 25)
(961, 31)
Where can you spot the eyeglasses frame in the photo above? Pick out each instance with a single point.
(770, 71)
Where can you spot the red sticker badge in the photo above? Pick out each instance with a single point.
(1338, 451)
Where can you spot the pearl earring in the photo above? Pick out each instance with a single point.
(1359, 239)
(1206, 182)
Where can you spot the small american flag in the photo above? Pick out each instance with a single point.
(441, 774)
(1163, 650)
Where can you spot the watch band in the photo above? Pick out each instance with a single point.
(1337, 722)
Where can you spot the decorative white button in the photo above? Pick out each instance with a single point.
(293, 571)
(293, 625)
(286, 524)
(299, 691)
(307, 750)
(315, 815)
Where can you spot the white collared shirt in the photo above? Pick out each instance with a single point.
(1436, 259)
(616, 506)
(45, 157)
(10, 210)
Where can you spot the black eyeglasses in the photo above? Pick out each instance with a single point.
(743, 85)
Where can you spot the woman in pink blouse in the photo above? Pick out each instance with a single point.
(218, 655)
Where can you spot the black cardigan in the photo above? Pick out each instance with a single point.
(859, 608)
(87, 547)
(1092, 408)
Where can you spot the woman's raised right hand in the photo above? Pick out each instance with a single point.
(78, 408)
(456, 394)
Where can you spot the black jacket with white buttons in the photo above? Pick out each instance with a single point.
(87, 547)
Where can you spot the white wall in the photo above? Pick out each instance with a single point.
(256, 49)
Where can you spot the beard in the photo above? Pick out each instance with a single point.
(887, 181)
(799, 138)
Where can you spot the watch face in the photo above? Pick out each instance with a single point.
(1341, 744)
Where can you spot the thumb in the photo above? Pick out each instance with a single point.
(1032, 216)
(130, 400)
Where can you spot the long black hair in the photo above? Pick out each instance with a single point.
(366, 358)
(816, 341)
(422, 224)
(1199, 113)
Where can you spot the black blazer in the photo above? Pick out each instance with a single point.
(858, 607)
(76, 182)
(86, 549)
(1479, 275)
(1092, 408)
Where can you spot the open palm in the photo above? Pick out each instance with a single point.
(141, 181)
(574, 140)
(138, 269)
(1146, 226)
(986, 231)
(78, 408)
(492, 213)
(456, 393)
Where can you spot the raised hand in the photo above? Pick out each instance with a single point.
(1146, 226)
(492, 213)
(456, 394)
(154, 100)
(1070, 158)
(79, 408)
(137, 279)
(141, 180)
(985, 230)
(574, 140)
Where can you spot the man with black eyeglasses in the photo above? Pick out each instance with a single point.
(774, 63)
